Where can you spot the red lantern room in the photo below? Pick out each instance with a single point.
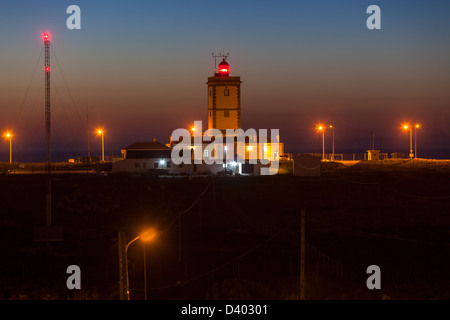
(224, 69)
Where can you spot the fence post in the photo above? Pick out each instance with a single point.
(122, 267)
(302, 256)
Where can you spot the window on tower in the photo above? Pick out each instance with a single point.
(226, 92)
(226, 113)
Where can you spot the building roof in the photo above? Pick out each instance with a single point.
(147, 146)
(149, 154)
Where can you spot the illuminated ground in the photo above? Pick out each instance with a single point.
(395, 215)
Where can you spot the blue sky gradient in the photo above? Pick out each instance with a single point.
(139, 69)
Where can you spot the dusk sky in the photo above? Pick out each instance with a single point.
(139, 68)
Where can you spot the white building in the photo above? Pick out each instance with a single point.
(143, 157)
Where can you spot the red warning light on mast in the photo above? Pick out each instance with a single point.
(46, 36)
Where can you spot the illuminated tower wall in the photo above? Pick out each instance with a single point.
(224, 100)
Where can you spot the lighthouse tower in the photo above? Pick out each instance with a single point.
(224, 99)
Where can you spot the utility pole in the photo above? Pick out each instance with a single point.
(122, 267)
(323, 144)
(411, 154)
(302, 256)
(145, 272)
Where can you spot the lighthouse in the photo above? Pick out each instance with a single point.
(224, 99)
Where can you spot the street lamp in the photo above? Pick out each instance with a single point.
(9, 135)
(146, 236)
(417, 126)
(406, 127)
(332, 157)
(320, 128)
(100, 131)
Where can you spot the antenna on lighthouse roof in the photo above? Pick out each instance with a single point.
(219, 55)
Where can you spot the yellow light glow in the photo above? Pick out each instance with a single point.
(148, 235)
(100, 131)
(249, 148)
(193, 128)
(417, 126)
(405, 126)
(320, 128)
(331, 126)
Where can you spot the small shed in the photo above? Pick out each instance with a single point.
(307, 165)
(373, 155)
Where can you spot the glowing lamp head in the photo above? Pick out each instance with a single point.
(46, 37)
(405, 126)
(100, 131)
(8, 135)
(417, 125)
(148, 235)
(224, 69)
(320, 128)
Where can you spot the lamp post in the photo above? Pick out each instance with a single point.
(406, 127)
(8, 135)
(145, 237)
(320, 128)
(415, 139)
(332, 157)
(100, 131)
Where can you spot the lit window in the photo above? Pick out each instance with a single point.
(156, 164)
(206, 153)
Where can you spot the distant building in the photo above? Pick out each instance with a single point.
(224, 112)
(142, 157)
(399, 155)
(373, 155)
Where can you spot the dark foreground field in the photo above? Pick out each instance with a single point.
(233, 237)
